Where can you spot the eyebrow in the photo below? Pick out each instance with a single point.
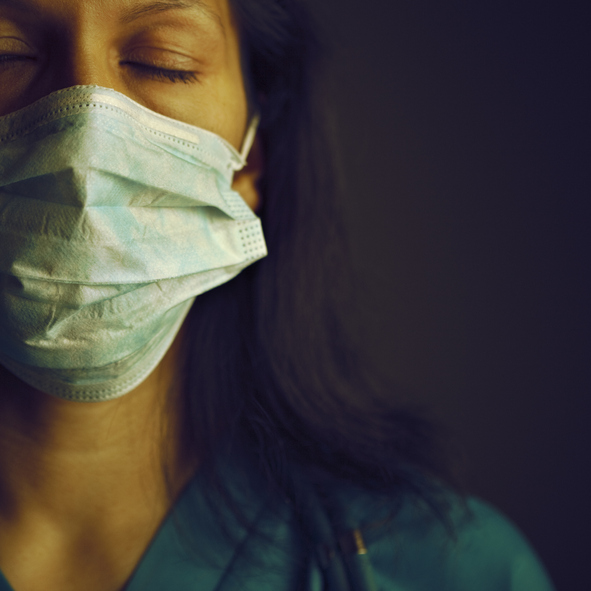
(141, 10)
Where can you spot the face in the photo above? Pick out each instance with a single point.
(180, 58)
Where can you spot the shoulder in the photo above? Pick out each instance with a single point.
(478, 549)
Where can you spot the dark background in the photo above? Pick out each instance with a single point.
(464, 135)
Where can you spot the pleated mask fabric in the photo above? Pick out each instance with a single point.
(113, 218)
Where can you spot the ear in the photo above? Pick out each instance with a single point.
(246, 180)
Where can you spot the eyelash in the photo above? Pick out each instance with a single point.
(163, 74)
(153, 72)
(9, 58)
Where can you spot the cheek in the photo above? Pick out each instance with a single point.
(232, 112)
(229, 115)
(232, 96)
(218, 105)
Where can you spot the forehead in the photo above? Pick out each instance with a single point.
(132, 9)
(122, 10)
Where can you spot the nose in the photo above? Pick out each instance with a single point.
(82, 62)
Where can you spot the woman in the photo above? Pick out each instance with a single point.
(238, 444)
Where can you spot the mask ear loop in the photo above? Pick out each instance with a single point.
(250, 136)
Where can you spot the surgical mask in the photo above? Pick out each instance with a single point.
(112, 219)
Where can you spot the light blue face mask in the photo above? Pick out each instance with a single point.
(112, 219)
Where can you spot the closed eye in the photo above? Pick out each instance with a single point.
(162, 74)
(14, 57)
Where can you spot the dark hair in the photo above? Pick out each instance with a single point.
(270, 367)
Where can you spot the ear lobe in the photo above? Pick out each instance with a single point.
(246, 180)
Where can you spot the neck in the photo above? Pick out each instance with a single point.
(73, 462)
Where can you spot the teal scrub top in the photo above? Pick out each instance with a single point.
(411, 551)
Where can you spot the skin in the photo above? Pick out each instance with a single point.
(82, 491)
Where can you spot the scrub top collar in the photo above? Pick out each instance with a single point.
(190, 548)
